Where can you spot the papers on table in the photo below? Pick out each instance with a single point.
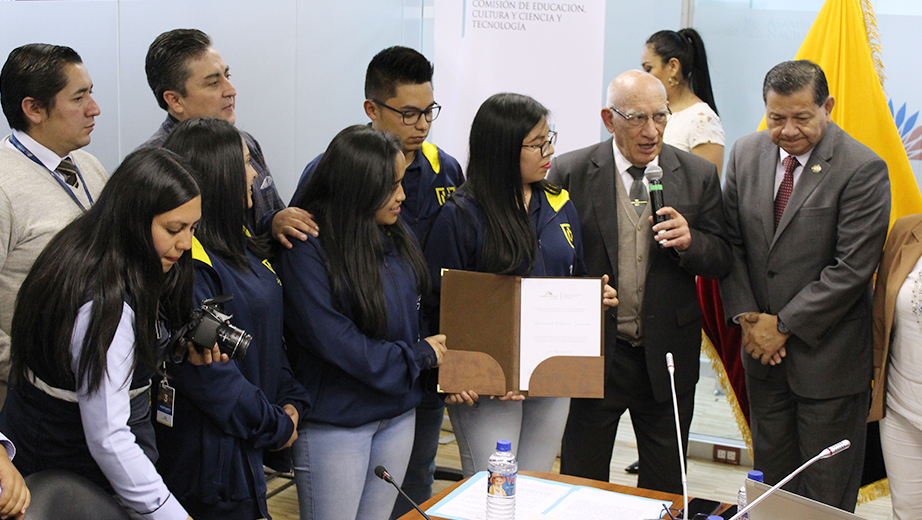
(546, 499)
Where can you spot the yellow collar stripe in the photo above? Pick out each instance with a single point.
(432, 154)
(557, 201)
(198, 252)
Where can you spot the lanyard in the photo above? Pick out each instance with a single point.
(25, 151)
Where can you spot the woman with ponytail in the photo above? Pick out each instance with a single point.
(678, 60)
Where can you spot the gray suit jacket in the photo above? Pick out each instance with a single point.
(815, 270)
(671, 313)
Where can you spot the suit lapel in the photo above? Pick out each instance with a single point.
(905, 260)
(765, 190)
(674, 188)
(601, 177)
(814, 172)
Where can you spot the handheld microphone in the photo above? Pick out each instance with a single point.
(382, 474)
(835, 449)
(670, 366)
(654, 174)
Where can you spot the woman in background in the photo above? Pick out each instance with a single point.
(352, 322)
(897, 395)
(678, 60)
(227, 415)
(507, 219)
(91, 325)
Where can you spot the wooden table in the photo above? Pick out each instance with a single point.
(676, 501)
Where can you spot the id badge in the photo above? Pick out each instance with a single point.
(165, 400)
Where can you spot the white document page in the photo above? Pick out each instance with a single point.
(596, 504)
(469, 501)
(559, 317)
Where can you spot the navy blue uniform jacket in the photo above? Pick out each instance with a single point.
(352, 379)
(227, 414)
(428, 181)
(456, 240)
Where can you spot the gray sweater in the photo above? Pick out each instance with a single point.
(33, 208)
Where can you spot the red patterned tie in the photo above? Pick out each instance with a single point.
(787, 186)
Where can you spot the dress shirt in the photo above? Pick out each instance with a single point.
(105, 415)
(779, 168)
(48, 158)
(622, 164)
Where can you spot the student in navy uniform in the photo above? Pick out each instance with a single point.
(226, 416)
(91, 325)
(508, 219)
(400, 101)
(190, 79)
(352, 323)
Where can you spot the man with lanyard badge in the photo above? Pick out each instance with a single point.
(45, 180)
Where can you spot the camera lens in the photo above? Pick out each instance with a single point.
(233, 341)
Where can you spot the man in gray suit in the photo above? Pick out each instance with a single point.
(654, 271)
(807, 212)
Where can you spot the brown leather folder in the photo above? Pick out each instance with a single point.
(481, 317)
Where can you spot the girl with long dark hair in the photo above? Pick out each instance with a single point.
(679, 61)
(227, 416)
(352, 322)
(507, 219)
(90, 327)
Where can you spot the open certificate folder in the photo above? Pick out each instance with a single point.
(539, 498)
(538, 336)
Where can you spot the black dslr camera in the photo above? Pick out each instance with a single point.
(208, 326)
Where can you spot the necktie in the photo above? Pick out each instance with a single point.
(68, 170)
(787, 186)
(639, 195)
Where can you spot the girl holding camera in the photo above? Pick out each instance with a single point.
(229, 419)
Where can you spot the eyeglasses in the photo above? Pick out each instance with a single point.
(411, 117)
(637, 120)
(546, 145)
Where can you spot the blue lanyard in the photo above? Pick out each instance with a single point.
(25, 151)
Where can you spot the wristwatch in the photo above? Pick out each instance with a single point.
(782, 328)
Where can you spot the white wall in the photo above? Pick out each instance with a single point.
(299, 65)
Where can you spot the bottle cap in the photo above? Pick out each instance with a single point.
(757, 475)
(503, 445)
(715, 517)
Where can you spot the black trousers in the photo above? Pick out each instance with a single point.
(592, 424)
(788, 430)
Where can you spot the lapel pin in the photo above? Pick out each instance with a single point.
(817, 168)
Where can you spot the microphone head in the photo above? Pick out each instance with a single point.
(836, 448)
(381, 473)
(653, 173)
(670, 362)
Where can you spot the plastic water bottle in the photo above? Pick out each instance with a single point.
(501, 476)
(741, 497)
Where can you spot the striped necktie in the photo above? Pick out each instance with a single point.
(68, 170)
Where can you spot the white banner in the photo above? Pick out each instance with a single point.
(551, 51)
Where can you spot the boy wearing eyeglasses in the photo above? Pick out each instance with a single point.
(399, 100)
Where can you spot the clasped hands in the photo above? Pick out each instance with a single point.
(762, 339)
